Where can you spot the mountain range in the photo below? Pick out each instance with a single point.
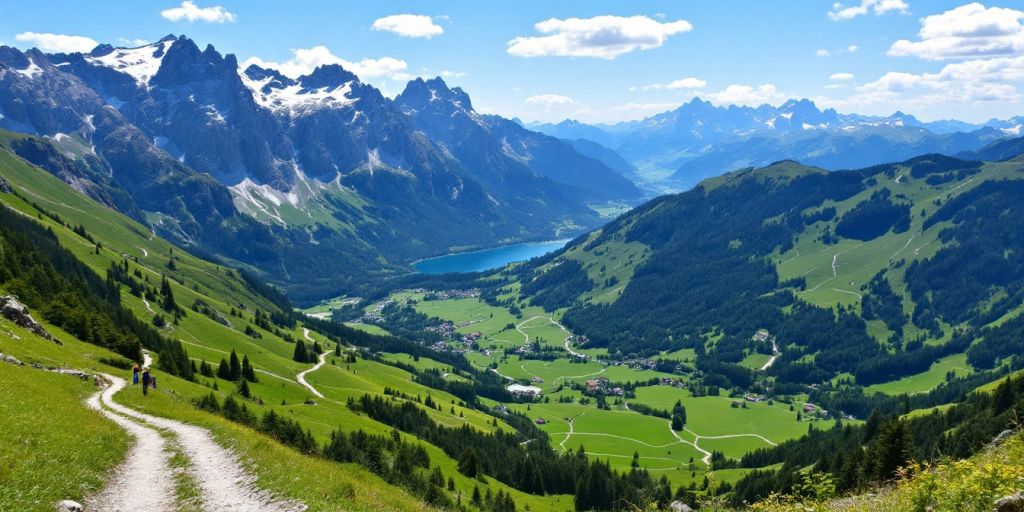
(699, 140)
(316, 179)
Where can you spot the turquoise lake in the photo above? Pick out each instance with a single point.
(486, 259)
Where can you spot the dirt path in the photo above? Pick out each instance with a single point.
(305, 332)
(859, 296)
(301, 377)
(144, 480)
(148, 307)
(571, 430)
(775, 355)
(223, 483)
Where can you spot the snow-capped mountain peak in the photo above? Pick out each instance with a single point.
(141, 63)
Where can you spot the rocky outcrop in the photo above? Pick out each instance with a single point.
(10, 359)
(12, 309)
(1011, 503)
(1002, 437)
(4, 186)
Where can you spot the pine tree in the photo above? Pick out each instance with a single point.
(337, 349)
(167, 294)
(236, 366)
(248, 372)
(243, 389)
(300, 354)
(224, 371)
(469, 465)
(316, 348)
(891, 450)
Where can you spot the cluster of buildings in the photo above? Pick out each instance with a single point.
(374, 315)
(522, 391)
(600, 386)
(453, 294)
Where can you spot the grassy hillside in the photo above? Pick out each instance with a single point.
(887, 249)
(224, 312)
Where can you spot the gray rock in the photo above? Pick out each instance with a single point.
(74, 373)
(1002, 437)
(10, 359)
(69, 506)
(679, 506)
(1011, 503)
(4, 186)
(12, 309)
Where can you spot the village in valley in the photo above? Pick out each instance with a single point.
(582, 396)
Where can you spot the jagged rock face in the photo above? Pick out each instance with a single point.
(59, 104)
(38, 98)
(502, 151)
(4, 186)
(12, 309)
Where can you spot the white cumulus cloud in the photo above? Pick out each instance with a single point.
(452, 74)
(852, 48)
(968, 31)
(57, 43)
(605, 37)
(738, 94)
(841, 77)
(970, 82)
(191, 12)
(409, 25)
(305, 60)
(823, 53)
(688, 83)
(876, 7)
(548, 100)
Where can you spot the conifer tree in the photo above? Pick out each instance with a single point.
(243, 389)
(248, 372)
(167, 295)
(300, 354)
(224, 371)
(236, 366)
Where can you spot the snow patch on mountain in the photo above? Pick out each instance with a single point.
(295, 98)
(140, 63)
(31, 70)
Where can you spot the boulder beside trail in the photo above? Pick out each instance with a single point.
(69, 506)
(12, 309)
(4, 186)
(1011, 503)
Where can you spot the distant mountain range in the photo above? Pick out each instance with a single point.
(318, 179)
(700, 140)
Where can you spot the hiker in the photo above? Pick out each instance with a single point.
(152, 380)
(135, 373)
(145, 381)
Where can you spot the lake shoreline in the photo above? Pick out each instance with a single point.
(479, 260)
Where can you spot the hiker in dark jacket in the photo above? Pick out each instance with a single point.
(145, 381)
(135, 373)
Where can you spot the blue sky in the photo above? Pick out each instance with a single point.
(600, 61)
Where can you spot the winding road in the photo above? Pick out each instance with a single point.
(301, 377)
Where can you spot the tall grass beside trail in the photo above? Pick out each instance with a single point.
(973, 484)
(52, 447)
